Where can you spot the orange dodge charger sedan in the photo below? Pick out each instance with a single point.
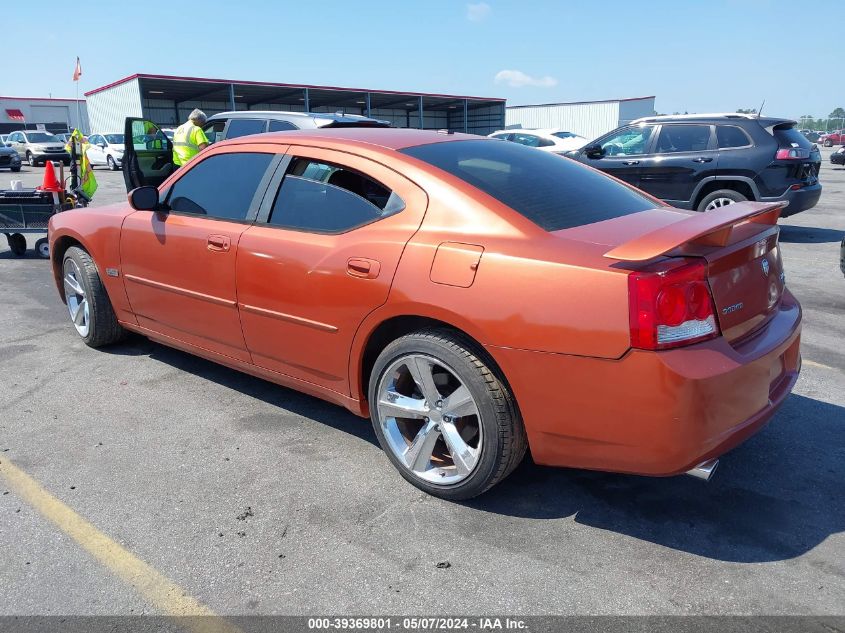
(473, 297)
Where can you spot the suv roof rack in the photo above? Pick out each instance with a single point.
(713, 115)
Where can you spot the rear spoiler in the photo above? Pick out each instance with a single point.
(711, 228)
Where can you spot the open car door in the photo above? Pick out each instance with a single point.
(148, 157)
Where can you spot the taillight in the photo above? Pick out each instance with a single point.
(671, 305)
(792, 153)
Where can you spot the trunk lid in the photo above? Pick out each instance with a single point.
(739, 243)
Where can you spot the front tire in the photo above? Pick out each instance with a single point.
(88, 303)
(110, 162)
(443, 416)
(828, 143)
(30, 158)
(720, 198)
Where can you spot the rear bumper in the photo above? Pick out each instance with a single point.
(654, 413)
(799, 199)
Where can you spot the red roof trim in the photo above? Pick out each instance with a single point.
(284, 85)
(540, 105)
(42, 98)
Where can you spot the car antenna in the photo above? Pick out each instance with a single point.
(760, 111)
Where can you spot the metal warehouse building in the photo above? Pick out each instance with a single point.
(53, 115)
(168, 100)
(587, 118)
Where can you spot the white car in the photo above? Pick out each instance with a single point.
(551, 140)
(106, 149)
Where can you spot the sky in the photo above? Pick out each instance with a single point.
(693, 55)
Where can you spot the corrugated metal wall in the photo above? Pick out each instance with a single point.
(108, 108)
(587, 119)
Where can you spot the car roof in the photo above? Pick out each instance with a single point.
(382, 137)
(712, 117)
(284, 116)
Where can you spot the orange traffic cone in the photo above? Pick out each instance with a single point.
(50, 183)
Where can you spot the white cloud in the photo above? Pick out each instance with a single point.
(478, 11)
(518, 79)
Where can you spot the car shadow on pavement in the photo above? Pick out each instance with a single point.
(288, 399)
(809, 234)
(775, 497)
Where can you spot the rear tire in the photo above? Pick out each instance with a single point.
(17, 244)
(16, 169)
(828, 143)
(88, 303)
(720, 198)
(480, 424)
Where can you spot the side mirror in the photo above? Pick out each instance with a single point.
(8, 144)
(593, 151)
(102, 145)
(144, 199)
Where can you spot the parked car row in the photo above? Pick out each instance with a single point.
(551, 140)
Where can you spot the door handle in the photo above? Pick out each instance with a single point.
(702, 159)
(362, 267)
(630, 162)
(218, 243)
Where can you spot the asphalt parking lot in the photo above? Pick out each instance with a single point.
(254, 499)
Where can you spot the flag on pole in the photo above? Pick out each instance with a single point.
(77, 72)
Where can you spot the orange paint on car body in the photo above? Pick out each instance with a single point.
(551, 307)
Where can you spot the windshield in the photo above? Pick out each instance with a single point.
(552, 191)
(41, 137)
(115, 138)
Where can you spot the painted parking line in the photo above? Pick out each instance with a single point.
(813, 363)
(162, 593)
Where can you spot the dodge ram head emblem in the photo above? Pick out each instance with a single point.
(765, 265)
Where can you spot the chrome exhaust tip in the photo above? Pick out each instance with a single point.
(704, 470)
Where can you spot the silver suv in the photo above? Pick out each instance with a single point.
(233, 124)
(37, 147)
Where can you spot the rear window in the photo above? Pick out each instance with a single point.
(553, 192)
(787, 136)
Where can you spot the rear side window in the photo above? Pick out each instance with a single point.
(282, 126)
(221, 186)
(553, 192)
(683, 138)
(242, 127)
(731, 136)
(327, 198)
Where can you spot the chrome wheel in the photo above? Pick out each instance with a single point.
(430, 420)
(718, 202)
(77, 301)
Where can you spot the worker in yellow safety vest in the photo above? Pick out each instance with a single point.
(189, 138)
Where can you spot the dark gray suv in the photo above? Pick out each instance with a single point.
(706, 161)
(234, 124)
